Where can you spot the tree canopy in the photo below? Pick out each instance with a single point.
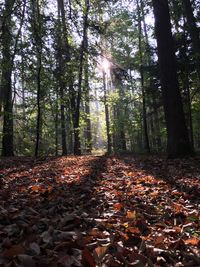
(83, 76)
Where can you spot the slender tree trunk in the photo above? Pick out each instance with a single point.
(62, 60)
(56, 126)
(87, 95)
(157, 125)
(63, 130)
(36, 26)
(77, 143)
(109, 142)
(151, 82)
(23, 89)
(39, 106)
(186, 86)
(144, 112)
(177, 136)
(87, 110)
(119, 139)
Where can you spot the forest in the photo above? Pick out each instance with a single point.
(81, 77)
(99, 133)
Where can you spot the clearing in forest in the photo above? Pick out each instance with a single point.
(99, 211)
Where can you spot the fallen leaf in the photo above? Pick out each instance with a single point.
(117, 206)
(13, 251)
(101, 251)
(131, 215)
(192, 241)
(87, 259)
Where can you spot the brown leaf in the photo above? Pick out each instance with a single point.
(87, 259)
(101, 251)
(13, 251)
(159, 239)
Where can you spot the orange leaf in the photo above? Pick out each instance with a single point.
(118, 206)
(131, 215)
(192, 241)
(35, 188)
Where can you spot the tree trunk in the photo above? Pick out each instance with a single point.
(87, 110)
(62, 60)
(56, 125)
(109, 143)
(186, 87)
(62, 117)
(119, 139)
(39, 108)
(77, 143)
(87, 96)
(36, 27)
(6, 84)
(144, 112)
(178, 144)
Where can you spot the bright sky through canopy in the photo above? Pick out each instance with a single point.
(105, 65)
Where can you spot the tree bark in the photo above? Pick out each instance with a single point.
(87, 108)
(178, 144)
(144, 112)
(62, 60)
(36, 27)
(76, 121)
(6, 84)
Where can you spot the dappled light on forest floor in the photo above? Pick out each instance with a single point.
(98, 211)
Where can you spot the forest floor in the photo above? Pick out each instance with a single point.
(99, 211)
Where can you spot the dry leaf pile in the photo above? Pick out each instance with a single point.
(98, 211)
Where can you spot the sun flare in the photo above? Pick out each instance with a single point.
(105, 65)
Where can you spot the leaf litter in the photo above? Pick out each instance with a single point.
(99, 211)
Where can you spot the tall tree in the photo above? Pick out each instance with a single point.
(177, 136)
(37, 40)
(63, 58)
(88, 134)
(76, 112)
(8, 55)
(6, 85)
(144, 112)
